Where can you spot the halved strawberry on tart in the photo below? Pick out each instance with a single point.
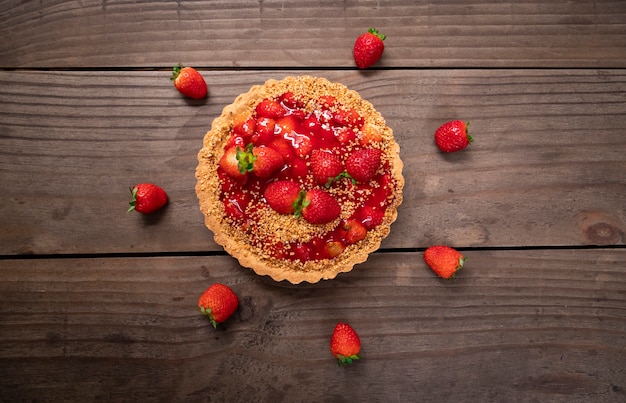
(299, 179)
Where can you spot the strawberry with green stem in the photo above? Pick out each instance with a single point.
(147, 198)
(319, 207)
(453, 136)
(345, 344)
(444, 260)
(316, 206)
(218, 302)
(363, 164)
(283, 196)
(368, 48)
(189, 82)
(262, 161)
(325, 166)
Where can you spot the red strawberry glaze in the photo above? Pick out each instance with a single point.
(295, 127)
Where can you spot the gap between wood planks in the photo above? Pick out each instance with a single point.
(223, 253)
(301, 68)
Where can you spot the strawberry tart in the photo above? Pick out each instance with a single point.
(299, 179)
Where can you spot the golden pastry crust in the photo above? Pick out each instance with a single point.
(235, 240)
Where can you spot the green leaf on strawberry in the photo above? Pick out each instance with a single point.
(345, 344)
(147, 198)
(246, 158)
(339, 177)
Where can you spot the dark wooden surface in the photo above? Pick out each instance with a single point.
(98, 304)
(305, 33)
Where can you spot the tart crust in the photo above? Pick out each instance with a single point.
(233, 240)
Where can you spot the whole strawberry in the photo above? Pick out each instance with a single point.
(189, 82)
(147, 198)
(368, 48)
(319, 207)
(266, 161)
(282, 196)
(453, 136)
(218, 302)
(325, 166)
(230, 163)
(263, 161)
(444, 260)
(345, 344)
(363, 164)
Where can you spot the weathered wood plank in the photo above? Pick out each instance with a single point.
(514, 326)
(310, 33)
(547, 167)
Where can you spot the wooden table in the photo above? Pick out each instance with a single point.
(99, 304)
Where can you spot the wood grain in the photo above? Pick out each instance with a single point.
(98, 304)
(310, 33)
(514, 326)
(547, 166)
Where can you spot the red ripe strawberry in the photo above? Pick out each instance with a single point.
(266, 161)
(290, 100)
(282, 196)
(325, 166)
(235, 140)
(147, 198)
(189, 82)
(452, 136)
(371, 217)
(264, 133)
(345, 135)
(284, 148)
(312, 124)
(319, 207)
(244, 126)
(348, 117)
(263, 161)
(269, 108)
(230, 163)
(218, 302)
(363, 164)
(444, 260)
(285, 125)
(345, 344)
(303, 145)
(354, 231)
(368, 48)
